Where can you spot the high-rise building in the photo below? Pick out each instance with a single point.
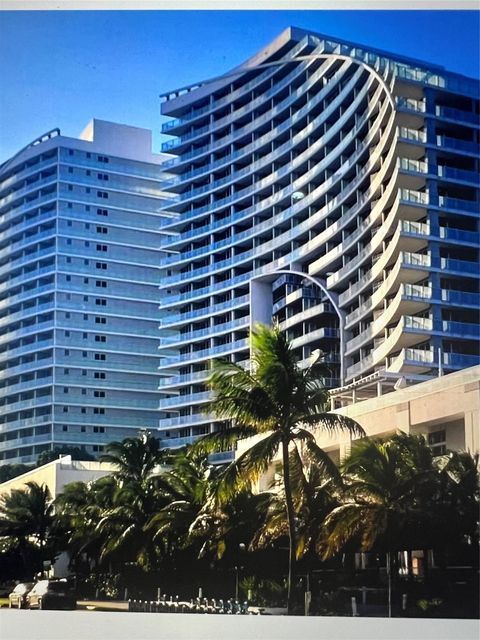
(335, 189)
(79, 296)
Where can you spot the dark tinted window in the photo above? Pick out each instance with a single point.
(58, 587)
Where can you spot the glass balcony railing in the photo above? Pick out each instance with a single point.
(455, 143)
(460, 360)
(464, 266)
(417, 228)
(205, 311)
(457, 114)
(460, 297)
(232, 96)
(458, 204)
(451, 173)
(413, 135)
(416, 166)
(416, 197)
(461, 235)
(209, 353)
(410, 104)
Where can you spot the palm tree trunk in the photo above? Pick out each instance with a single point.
(291, 526)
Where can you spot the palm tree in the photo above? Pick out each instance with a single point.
(79, 509)
(27, 514)
(135, 458)
(387, 501)
(315, 491)
(275, 401)
(184, 488)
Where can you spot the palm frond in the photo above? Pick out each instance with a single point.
(220, 440)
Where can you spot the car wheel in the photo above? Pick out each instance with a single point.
(19, 603)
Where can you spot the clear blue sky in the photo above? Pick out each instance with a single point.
(61, 68)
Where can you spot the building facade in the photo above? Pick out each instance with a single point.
(79, 290)
(444, 410)
(335, 190)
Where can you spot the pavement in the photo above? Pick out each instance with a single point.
(102, 625)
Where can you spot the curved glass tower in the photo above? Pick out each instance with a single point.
(335, 189)
(79, 295)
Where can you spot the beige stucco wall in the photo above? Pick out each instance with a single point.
(450, 402)
(56, 474)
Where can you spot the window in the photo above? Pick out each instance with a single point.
(101, 283)
(437, 441)
(85, 298)
(65, 389)
(70, 188)
(70, 169)
(101, 302)
(83, 429)
(102, 212)
(66, 352)
(69, 205)
(69, 260)
(88, 172)
(84, 354)
(70, 152)
(98, 447)
(101, 247)
(100, 356)
(86, 262)
(100, 320)
(84, 336)
(98, 429)
(64, 427)
(87, 243)
(68, 278)
(99, 410)
(102, 230)
(103, 159)
(101, 265)
(84, 372)
(87, 190)
(100, 338)
(102, 194)
(99, 375)
(83, 410)
(67, 334)
(99, 394)
(102, 176)
(84, 392)
(88, 154)
(87, 225)
(69, 223)
(66, 372)
(65, 409)
(85, 281)
(67, 315)
(69, 241)
(87, 207)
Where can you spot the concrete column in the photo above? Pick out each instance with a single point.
(261, 303)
